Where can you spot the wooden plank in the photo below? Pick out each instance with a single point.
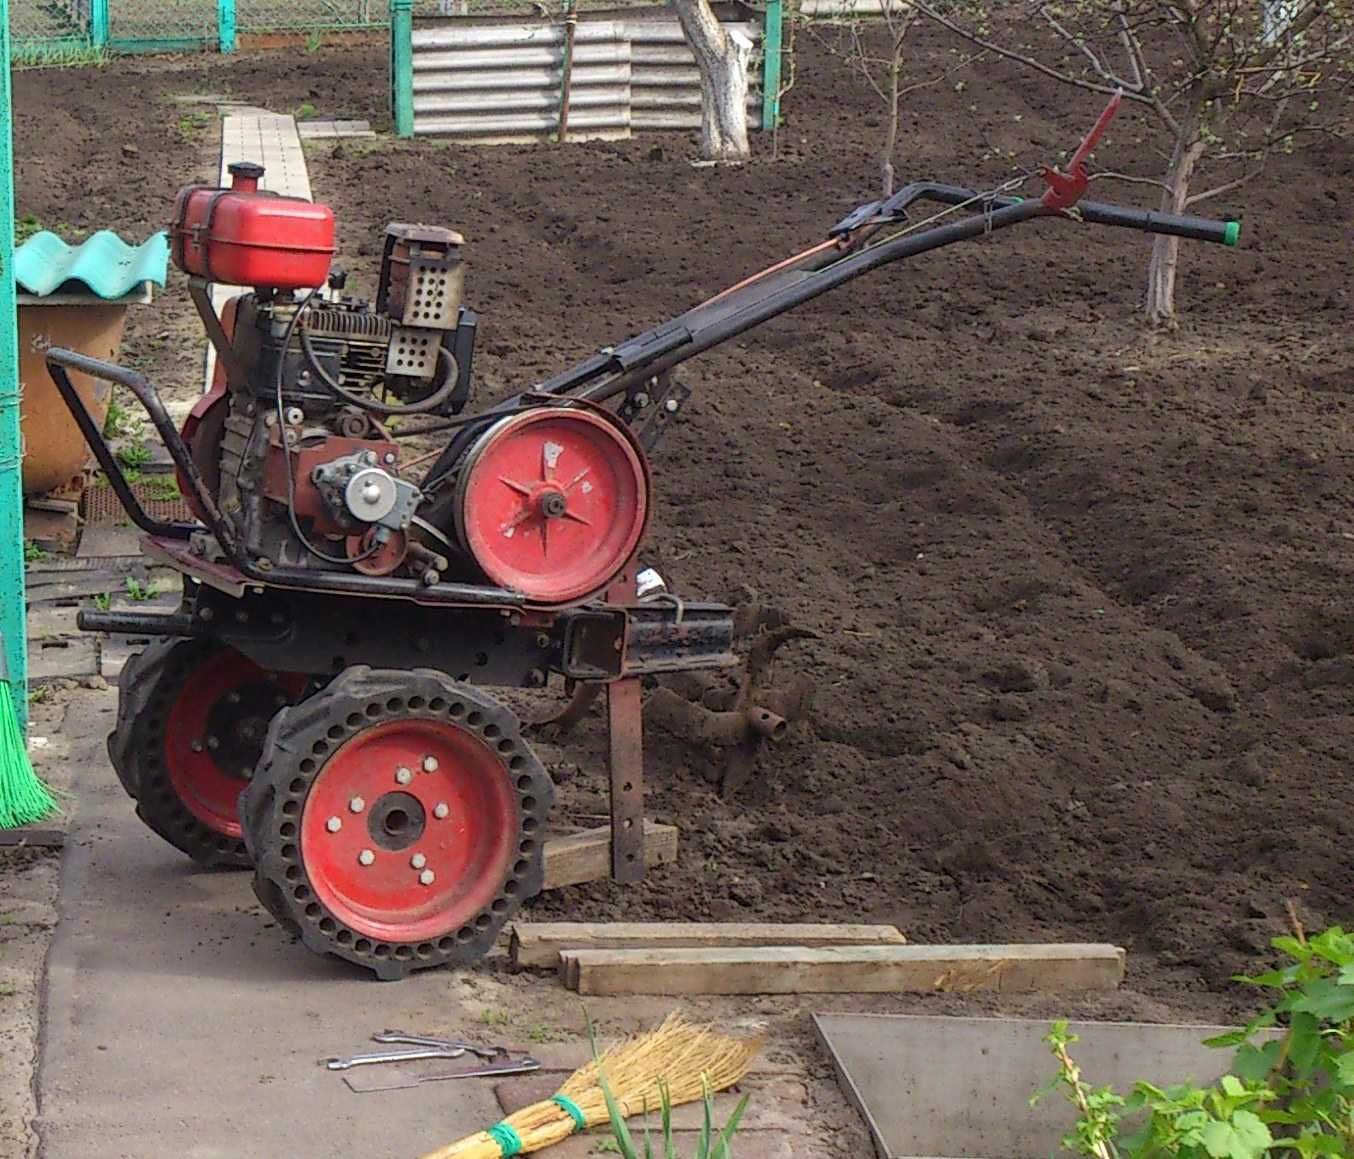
(586, 856)
(57, 659)
(843, 969)
(109, 543)
(77, 586)
(57, 566)
(540, 943)
(52, 623)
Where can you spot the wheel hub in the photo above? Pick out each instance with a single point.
(396, 821)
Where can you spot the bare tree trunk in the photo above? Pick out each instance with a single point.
(891, 138)
(723, 62)
(1161, 270)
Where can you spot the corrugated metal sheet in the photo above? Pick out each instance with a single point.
(665, 91)
(104, 264)
(500, 81)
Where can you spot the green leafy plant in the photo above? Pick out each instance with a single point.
(33, 553)
(314, 42)
(134, 455)
(711, 1143)
(138, 591)
(161, 487)
(102, 601)
(1290, 1090)
(305, 111)
(25, 227)
(193, 124)
(118, 421)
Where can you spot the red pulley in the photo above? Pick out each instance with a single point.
(552, 502)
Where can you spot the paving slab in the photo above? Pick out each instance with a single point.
(179, 1022)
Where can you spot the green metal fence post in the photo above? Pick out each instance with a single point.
(225, 25)
(402, 66)
(98, 23)
(13, 621)
(771, 41)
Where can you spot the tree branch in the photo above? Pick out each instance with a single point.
(1226, 186)
(1130, 179)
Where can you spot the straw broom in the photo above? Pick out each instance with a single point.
(686, 1059)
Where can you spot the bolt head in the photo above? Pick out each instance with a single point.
(334, 824)
(430, 764)
(366, 857)
(671, 406)
(418, 861)
(427, 877)
(389, 458)
(196, 746)
(403, 776)
(232, 698)
(356, 805)
(441, 810)
(213, 742)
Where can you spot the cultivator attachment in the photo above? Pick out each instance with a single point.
(316, 708)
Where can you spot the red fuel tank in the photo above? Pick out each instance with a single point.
(243, 237)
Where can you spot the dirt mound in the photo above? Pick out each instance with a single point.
(1085, 655)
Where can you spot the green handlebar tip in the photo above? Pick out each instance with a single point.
(1232, 233)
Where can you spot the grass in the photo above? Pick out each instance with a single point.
(491, 1017)
(134, 455)
(25, 227)
(118, 422)
(314, 42)
(193, 124)
(161, 487)
(137, 591)
(33, 553)
(543, 1033)
(305, 111)
(31, 56)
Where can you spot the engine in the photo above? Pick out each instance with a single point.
(303, 441)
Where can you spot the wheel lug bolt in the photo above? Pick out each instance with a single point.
(430, 764)
(356, 805)
(440, 810)
(196, 746)
(333, 824)
(213, 743)
(232, 698)
(403, 776)
(418, 861)
(427, 877)
(366, 857)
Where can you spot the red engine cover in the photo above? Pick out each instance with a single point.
(242, 237)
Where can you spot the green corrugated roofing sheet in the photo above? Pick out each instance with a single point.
(103, 265)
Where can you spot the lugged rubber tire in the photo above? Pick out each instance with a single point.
(348, 824)
(144, 744)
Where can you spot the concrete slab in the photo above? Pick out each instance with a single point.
(320, 130)
(960, 1087)
(179, 1021)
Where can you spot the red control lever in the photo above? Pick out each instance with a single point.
(1066, 189)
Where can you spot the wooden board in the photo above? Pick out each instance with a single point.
(56, 659)
(843, 969)
(109, 543)
(586, 856)
(52, 623)
(540, 943)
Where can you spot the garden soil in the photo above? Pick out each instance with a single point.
(1084, 642)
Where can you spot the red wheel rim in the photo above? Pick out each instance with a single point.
(553, 502)
(402, 848)
(204, 781)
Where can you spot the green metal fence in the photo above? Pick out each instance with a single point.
(67, 29)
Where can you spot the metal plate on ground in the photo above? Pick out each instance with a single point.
(959, 1088)
(102, 508)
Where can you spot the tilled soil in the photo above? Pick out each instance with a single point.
(1084, 654)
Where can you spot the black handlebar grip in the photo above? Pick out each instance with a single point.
(1181, 225)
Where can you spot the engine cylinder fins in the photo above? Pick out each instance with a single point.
(397, 820)
(192, 716)
(552, 502)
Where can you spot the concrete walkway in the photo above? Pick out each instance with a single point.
(180, 1021)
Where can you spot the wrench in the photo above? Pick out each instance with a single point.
(485, 1052)
(446, 1050)
(485, 1070)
